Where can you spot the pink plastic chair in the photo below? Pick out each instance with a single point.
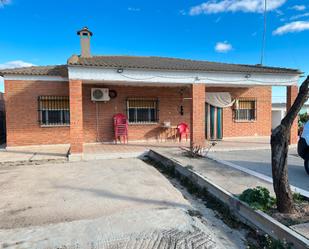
(120, 127)
(183, 130)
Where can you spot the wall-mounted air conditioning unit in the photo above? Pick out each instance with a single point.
(100, 94)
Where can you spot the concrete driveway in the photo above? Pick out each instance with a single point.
(121, 203)
(74, 191)
(260, 161)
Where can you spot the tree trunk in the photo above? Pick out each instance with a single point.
(279, 152)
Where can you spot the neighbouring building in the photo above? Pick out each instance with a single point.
(55, 104)
(278, 112)
(2, 118)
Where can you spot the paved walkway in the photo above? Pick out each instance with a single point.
(24, 154)
(242, 143)
(259, 161)
(232, 180)
(229, 178)
(97, 151)
(132, 149)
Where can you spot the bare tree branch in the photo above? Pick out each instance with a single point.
(300, 100)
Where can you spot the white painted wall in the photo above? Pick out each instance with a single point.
(276, 117)
(278, 113)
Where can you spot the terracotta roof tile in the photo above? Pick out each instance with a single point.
(152, 63)
(58, 70)
(163, 63)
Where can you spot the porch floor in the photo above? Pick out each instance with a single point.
(109, 151)
(26, 154)
(135, 149)
(132, 149)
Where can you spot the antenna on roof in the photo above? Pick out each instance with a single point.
(264, 33)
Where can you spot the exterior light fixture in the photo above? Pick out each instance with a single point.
(120, 70)
(248, 76)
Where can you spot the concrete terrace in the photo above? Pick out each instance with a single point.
(23, 154)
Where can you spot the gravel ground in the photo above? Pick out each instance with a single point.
(122, 203)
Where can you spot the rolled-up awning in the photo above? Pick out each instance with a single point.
(219, 99)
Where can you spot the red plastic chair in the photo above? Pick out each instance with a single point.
(183, 130)
(120, 127)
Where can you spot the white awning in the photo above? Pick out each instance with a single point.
(219, 99)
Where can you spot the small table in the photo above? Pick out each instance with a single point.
(168, 132)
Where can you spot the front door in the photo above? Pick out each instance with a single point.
(213, 122)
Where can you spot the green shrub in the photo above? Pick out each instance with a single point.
(298, 198)
(266, 242)
(258, 198)
(302, 119)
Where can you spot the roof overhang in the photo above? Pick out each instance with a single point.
(97, 74)
(35, 77)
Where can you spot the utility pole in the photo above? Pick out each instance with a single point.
(264, 33)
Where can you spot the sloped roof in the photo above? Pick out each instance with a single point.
(151, 63)
(57, 70)
(164, 63)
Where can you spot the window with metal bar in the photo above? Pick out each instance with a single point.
(54, 110)
(142, 110)
(245, 110)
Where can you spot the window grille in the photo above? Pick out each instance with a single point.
(142, 110)
(245, 110)
(54, 110)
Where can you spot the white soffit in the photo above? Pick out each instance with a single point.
(181, 77)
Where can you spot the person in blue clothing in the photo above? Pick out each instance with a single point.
(303, 146)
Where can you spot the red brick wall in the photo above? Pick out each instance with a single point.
(21, 101)
(169, 104)
(76, 116)
(22, 114)
(197, 135)
(291, 95)
(262, 125)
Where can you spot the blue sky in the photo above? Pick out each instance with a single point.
(44, 32)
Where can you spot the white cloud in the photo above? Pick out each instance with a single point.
(4, 2)
(292, 27)
(223, 47)
(298, 7)
(253, 6)
(134, 9)
(15, 64)
(299, 16)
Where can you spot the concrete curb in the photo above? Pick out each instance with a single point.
(105, 156)
(253, 218)
(32, 162)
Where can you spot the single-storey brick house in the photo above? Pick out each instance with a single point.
(53, 104)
